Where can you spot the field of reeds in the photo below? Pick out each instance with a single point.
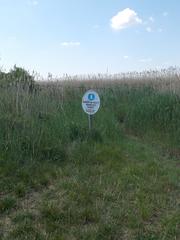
(119, 181)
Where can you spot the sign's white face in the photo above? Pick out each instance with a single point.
(90, 102)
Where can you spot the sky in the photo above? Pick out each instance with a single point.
(89, 36)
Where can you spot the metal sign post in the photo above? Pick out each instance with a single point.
(90, 105)
(90, 121)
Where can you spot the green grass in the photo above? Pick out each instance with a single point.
(106, 191)
(7, 203)
(59, 181)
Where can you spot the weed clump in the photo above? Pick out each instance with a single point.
(7, 203)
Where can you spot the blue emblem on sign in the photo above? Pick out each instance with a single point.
(91, 96)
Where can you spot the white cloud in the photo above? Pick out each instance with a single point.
(165, 14)
(33, 2)
(151, 19)
(149, 29)
(70, 44)
(124, 19)
(145, 60)
(126, 57)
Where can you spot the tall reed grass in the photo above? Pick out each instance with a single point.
(40, 123)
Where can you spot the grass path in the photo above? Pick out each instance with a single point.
(27, 204)
(122, 190)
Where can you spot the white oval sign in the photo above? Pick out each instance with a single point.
(91, 102)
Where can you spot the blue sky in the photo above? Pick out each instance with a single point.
(89, 36)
